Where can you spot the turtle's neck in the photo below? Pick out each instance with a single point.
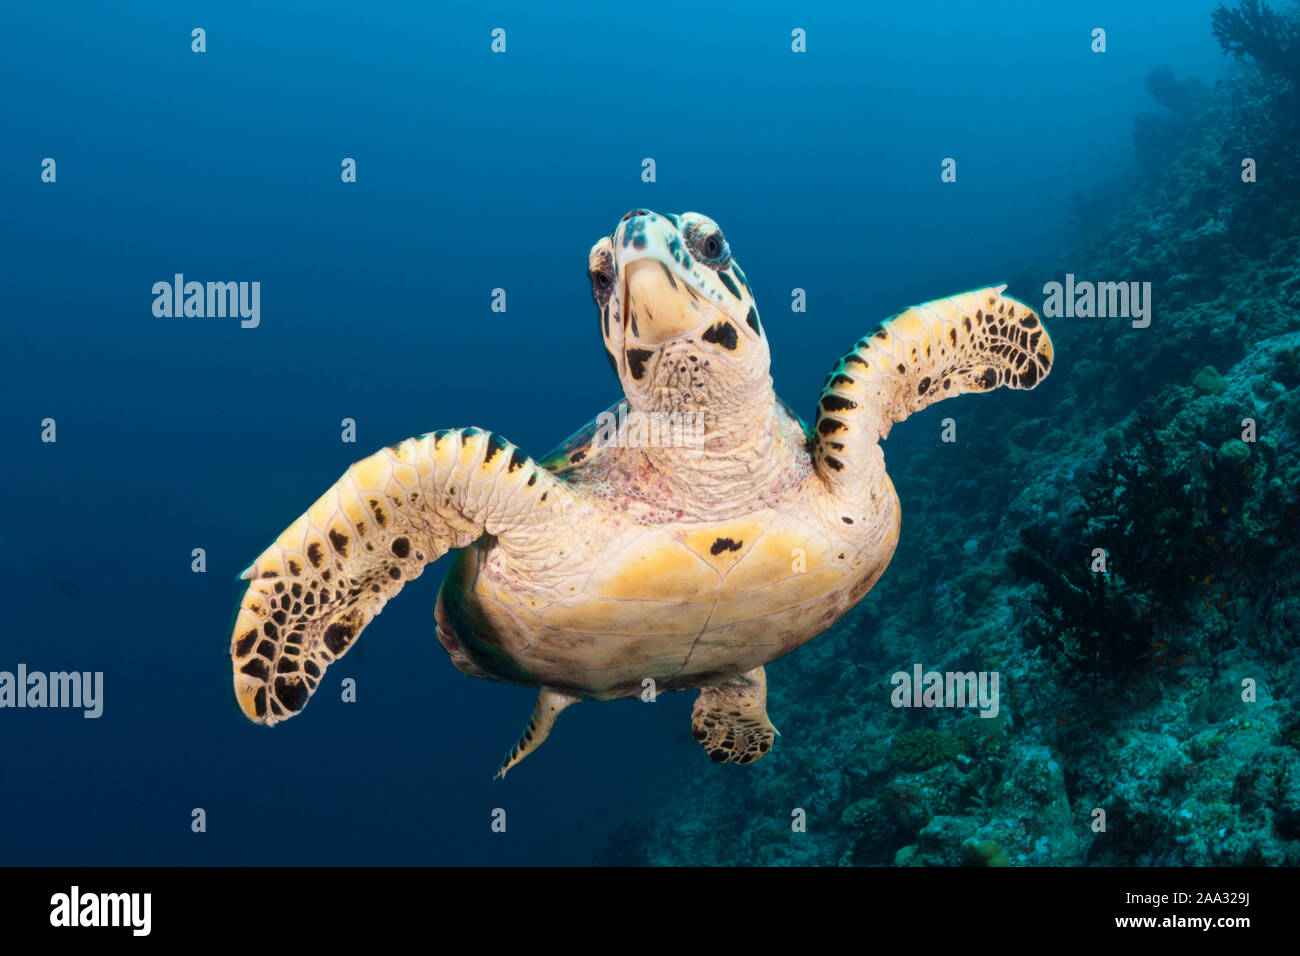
(733, 456)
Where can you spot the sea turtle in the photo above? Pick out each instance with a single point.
(683, 539)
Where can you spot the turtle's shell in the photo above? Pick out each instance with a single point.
(688, 604)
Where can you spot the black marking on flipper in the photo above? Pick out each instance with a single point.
(337, 637)
(256, 668)
(401, 547)
(292, 693)
(340, 542)
(494, 446)
(752, 319)
(837, 403)
(245, 643)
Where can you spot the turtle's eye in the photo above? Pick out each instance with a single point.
(709, 247)
(602, 284)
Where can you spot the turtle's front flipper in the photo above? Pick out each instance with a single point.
(730, 720)
(972, 342)
(549, 704)
(313, 590)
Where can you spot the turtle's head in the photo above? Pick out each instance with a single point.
(677, 315)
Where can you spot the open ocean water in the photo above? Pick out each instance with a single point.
(475, 170)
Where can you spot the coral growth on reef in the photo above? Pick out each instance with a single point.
(1154, 526)
(1252, 29)
(923, 748)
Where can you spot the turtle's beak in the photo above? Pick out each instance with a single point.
(660, 305)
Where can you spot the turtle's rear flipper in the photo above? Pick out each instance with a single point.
(730, 720)
(549, 704)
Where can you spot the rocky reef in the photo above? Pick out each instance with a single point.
(1122, 550)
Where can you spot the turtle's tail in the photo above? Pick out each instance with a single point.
(549, 704)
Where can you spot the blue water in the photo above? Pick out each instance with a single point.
(475, 171)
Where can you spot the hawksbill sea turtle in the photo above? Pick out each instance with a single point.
(613, 563)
